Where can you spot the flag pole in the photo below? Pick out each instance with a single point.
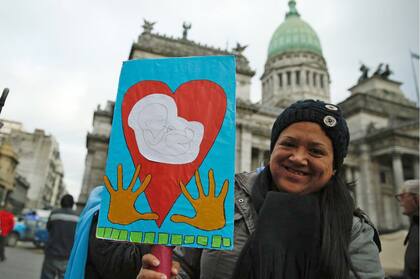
(416, 83)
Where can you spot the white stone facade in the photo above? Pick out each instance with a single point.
(384, 140)
(39, 163)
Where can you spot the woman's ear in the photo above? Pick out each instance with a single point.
(416, 200)
(334, 171)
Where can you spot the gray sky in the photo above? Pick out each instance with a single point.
(61, 59)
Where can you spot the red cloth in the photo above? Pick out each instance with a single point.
(6, 222)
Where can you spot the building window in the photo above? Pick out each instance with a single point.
(321, 81)
(314, 79)
(297, 77)
(289, 78)
(280, 80)
(307, 77)
(382, 177)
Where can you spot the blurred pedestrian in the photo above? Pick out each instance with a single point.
(61, 228)
(409, 201)
(7, 223)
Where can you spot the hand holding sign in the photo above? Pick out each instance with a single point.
(121, 208)
(210, 209)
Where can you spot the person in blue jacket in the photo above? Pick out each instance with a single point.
(94, 258)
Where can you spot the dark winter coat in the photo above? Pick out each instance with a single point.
(411, 260)
(217, 264)
(61, 228)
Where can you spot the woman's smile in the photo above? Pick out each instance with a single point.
(295, 171)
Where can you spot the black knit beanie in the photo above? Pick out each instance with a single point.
(328, 116)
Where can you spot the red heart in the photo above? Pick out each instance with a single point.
(197, 100)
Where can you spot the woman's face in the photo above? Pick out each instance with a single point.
(302, 159)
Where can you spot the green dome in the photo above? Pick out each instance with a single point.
(294, 34)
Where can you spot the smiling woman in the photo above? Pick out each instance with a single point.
(296, 217)
(302, 159)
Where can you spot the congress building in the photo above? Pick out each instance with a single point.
(383, 123)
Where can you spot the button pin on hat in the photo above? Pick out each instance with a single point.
(331, 107)
(330, 121)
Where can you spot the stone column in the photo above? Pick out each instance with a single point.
(276, 86)
(369, 197)
(359, 191)
(246, 150)
(349, 175)
(292, 79)
(349, 178)
(397, 169)
(260, 157)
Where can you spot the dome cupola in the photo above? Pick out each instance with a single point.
(295, 68)
(294, 34)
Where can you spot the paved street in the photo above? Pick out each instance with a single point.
(23, 261)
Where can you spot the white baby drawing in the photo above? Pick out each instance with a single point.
(161, 135)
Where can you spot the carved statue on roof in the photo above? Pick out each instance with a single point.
(378, 71)
(383, 73)
(148, 26)
(239, 49)
(186, 26)
(365, 72)
(387, 72)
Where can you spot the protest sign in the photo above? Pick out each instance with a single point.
(170, 166)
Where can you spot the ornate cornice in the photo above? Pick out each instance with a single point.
(362, 102)
(388, 139)
(166, 46)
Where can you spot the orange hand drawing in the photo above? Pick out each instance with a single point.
(210, 210)
(121, 207)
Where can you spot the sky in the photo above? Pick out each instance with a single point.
(60, 59)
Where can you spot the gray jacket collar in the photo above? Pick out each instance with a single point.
(246, 180)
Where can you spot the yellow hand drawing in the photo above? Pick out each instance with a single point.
(210, 210)
(121, 207)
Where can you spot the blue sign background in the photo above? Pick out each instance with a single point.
(220, 158)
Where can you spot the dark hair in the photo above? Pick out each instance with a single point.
(67, 201)
(337, 207)
(336, 203)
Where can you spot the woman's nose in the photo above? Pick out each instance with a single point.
(299, 156)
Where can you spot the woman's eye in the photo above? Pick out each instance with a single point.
(287, 144)
(317, 151)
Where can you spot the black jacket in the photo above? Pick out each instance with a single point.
(61, 228)
(109, 259)
(411, 260)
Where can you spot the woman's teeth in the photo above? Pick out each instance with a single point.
(295, 171)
